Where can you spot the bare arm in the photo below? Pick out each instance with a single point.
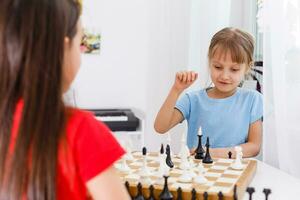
(250, 149)
(168, 116)
(108, 186)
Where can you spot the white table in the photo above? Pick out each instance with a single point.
(283, 185)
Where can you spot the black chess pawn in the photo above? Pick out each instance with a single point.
(199, 151)
(139, 195)
(250, 190)
(151, 196)
(194, 193)
(229, 154)
(205, 196)
(166, 194)
(179, 194)
(220, 196)
(162, 150)
(168, 158)
(207, 159)
(127, 187)
(267, 192)
(235, 196)
(144, 151)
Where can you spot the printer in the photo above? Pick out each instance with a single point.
(117, 119)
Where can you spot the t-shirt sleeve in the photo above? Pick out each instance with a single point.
(96, 148)
(184, 106)
(257, 108)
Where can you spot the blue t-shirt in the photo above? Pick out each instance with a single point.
(225, 121)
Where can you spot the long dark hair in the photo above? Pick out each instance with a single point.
(32, 34)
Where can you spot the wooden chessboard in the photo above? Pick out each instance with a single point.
(220, 176)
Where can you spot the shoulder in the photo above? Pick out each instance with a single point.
(195, 93)
(250, 94)
(83, 121)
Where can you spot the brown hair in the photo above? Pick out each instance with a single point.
(239, 43)
(32, 37)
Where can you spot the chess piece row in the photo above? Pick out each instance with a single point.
(167, 195)
(251, 190)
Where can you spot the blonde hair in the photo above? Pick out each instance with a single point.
(239, 43)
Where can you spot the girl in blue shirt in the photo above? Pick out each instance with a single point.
(230, 116)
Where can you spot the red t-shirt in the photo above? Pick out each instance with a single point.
(89, 149)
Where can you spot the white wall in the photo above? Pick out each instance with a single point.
(116, 77)
(143, 44)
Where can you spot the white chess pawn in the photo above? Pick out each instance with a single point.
(191, 161)
(184, 164)
(201, 168)
(237, 164)
(145, 172)
(184, 150)
(128, 147)
(200, 179)
(123, 167)
(191, 172)
(185, 176)
(163, 168)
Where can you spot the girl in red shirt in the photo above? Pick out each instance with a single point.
(47, 150)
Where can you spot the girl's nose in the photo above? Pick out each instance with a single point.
(224, 75)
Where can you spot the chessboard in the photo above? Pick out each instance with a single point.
(221, 177)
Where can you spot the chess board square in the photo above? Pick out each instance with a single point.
(136, 164)
(233, 172)
(210, 182)
(135, 167)
(226, 180)
(243, 167)
(222, 164)
(184, 186)
(207, 165)
(176, 171)
(153, 165)
(212, 174)
(174, 174)
(230, 176)
(219, 167)
(223, 184)
(211, 178)
(222, 160)
(202, 188)
(215, 171)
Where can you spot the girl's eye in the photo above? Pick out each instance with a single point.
(235, 70)
(217, 67)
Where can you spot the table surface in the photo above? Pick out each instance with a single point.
(283, 185)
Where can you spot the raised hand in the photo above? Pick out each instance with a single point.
(184, 79)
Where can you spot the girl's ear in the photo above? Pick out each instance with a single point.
(250, 66)
(67, 41)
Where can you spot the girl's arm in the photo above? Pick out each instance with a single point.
(168, 116)
(250, 149)
(108, 186)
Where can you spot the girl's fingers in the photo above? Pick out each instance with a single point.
(189, 77)
(194, 76)
(184, 77)
(179, 76)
